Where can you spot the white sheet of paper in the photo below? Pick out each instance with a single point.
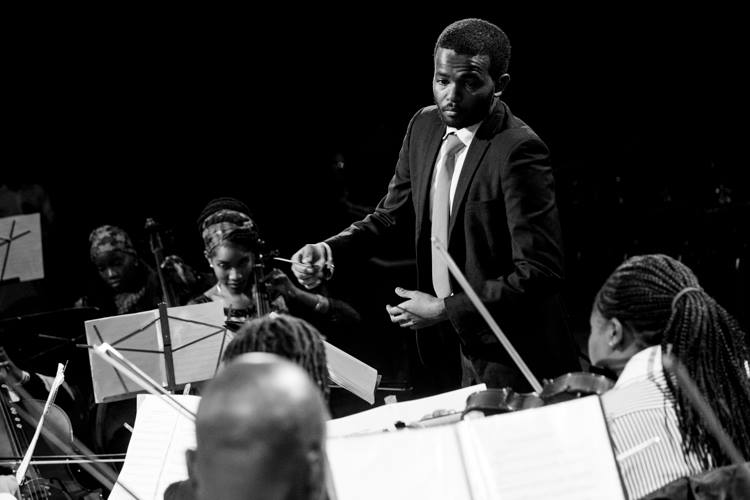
(108, 383)
(384, 417)
(198, 361)
(21, 248)
(407, 464)
(351, 373)
(156, 453)
(560, 451)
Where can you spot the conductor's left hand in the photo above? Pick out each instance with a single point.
(420, 311)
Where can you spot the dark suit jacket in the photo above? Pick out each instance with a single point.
(504, 233)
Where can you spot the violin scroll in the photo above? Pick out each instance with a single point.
(575, 385)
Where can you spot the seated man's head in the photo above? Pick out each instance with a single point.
(112, 253)
(230, 241)
(260, 433)
(288, 336)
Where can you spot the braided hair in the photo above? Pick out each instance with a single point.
(660, 301)
(287, 336)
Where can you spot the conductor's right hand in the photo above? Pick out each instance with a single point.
(309, 264)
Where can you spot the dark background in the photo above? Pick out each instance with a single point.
(124, 115)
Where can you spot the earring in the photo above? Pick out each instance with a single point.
(611, 343)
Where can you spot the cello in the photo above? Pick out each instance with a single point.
(17, 417)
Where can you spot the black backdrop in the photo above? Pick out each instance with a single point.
(123, 115)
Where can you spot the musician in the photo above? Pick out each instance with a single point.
(125, 282)
(231, 245)
(231, 242)
(496, 213)
(287, 336)
(260, 433)
(652, 303)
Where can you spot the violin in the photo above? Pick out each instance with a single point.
(50, 481)
(563, 388)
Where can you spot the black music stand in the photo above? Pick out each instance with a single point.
(159, 343)
(26, 265)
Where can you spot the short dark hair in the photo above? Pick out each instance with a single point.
(473, 37)
(287, 336)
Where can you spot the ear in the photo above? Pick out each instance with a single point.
(501, 83)
(208, 258)
(616, 335)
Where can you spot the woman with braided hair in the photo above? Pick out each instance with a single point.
(650, 304)
(289, 337)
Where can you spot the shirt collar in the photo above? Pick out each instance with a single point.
(642, 364)
(466, 134)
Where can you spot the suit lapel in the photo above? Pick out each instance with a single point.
(474, 155)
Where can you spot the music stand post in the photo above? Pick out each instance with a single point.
(167, 341)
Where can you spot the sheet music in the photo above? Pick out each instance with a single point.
(198, 338)
(351, 373)
(107, 382)
(156, 453)
(384, 417)
(560, 451)
(407, 464)
(21, 248)
(198, 342)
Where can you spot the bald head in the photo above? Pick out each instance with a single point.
(260, 429)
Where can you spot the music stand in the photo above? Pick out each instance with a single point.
(21, 248)
(175, 346)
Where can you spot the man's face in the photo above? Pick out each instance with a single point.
(462, 87)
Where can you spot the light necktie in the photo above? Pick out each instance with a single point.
(441, 211)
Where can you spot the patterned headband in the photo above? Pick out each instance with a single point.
(107, 238)
(219, 226)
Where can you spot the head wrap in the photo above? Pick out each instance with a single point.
(225, 224)
(107, 238)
